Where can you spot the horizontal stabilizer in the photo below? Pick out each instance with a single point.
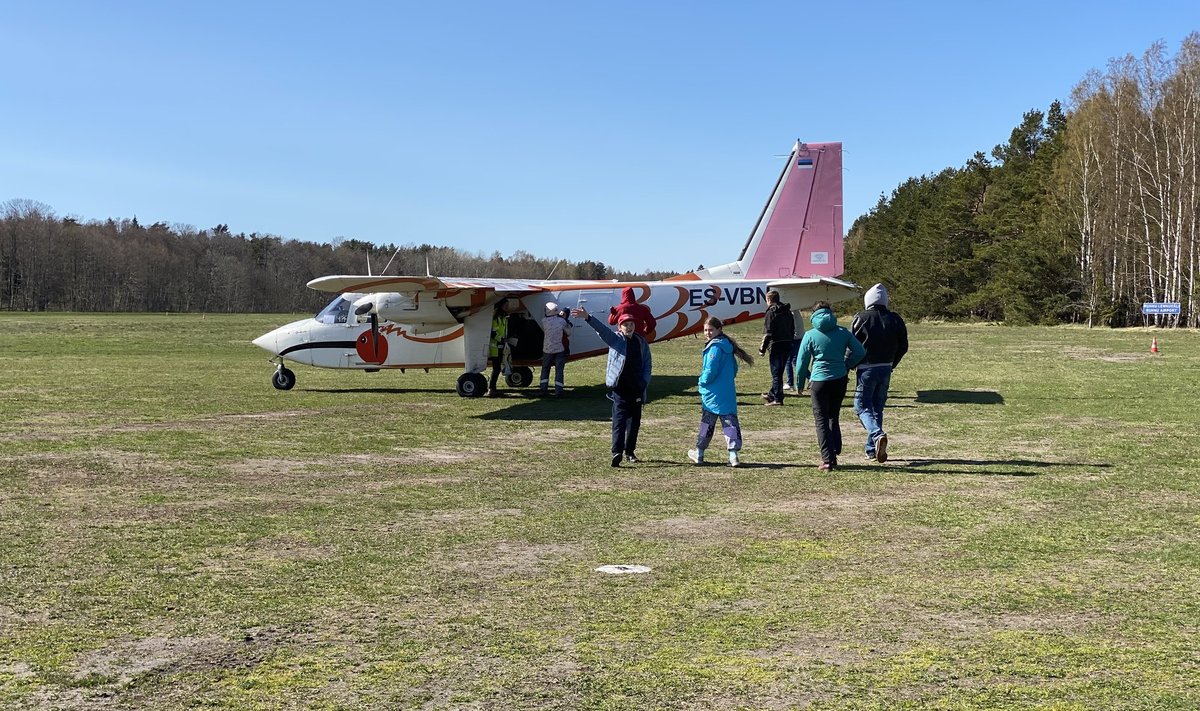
(801, 294)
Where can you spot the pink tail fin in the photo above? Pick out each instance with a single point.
(799, 233)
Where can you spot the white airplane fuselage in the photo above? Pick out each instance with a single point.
(337, 339)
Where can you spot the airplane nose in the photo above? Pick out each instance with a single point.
(267, 342)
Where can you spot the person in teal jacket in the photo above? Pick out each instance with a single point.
(718, 394)
(824, 364)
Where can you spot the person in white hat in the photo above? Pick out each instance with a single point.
(556, 346)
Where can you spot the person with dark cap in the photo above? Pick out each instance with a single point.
(640, 312)
(885, 337)
(627, 377)
(779, 329)
(823, 362)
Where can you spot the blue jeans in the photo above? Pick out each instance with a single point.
(790, 366)
(870, 395)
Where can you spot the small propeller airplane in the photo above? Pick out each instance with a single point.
(401, 322)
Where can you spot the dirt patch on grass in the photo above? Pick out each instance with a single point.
(508, 558)
(124, 661)
(445, 520)
(971, 625)
(687, 528)
(288, 547)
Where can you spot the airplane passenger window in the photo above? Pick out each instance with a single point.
(337, 311)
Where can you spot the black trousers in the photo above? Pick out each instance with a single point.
(626, 421)
(827, 397)
(778, 354)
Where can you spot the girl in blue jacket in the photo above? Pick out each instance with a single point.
(824, 363)
(718, 395)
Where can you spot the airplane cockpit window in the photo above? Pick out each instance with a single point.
(337, 311)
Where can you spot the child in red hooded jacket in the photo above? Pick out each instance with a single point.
(640, 313)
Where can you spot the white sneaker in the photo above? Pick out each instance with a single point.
(696, 455)
(788, 387)
(733, 459)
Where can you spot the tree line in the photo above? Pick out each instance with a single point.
(1082, 216)
(1085, 213)
(49, 263)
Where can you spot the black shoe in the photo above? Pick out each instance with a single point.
(616, 462)
(631, 458)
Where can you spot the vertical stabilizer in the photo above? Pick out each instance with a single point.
(799, 232)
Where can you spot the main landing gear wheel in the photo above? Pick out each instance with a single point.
(471, 385)
(283, 379)
(519, 377)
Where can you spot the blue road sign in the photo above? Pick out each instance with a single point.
(1151, 307)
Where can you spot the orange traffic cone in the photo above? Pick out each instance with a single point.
(1154, 344)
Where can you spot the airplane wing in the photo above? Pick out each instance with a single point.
(340, 283)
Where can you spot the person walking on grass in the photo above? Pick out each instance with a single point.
(885, 338)
(718, 394)
(627, 377)
(779, 329)
(825, 366)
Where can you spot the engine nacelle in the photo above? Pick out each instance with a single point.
(423, 315)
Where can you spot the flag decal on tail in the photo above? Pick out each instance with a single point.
(804, 162)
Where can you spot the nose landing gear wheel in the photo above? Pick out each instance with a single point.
(283, 379)
(471, 385)
(519, 377)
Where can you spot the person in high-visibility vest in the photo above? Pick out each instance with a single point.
(497, 344)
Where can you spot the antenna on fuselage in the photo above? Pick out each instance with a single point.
(427, 272)
(368, 264)
(555, 267)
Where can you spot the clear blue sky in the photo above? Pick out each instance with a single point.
(642, 134)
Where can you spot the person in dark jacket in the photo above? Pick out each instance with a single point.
(827, 353)
(779, 329)
(628, 379)
(885, 338)
(640, 312)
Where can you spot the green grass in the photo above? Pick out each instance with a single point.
(176, 533)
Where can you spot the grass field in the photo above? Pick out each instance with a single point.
(176, 533)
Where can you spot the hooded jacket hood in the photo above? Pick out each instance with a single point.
(823, 320)
(627, 296)
(876, 296)
(722, 342)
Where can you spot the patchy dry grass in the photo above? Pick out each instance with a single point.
(176, 534)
